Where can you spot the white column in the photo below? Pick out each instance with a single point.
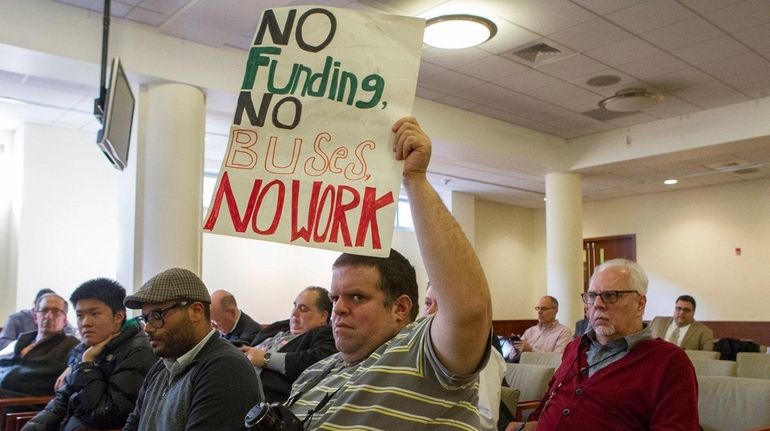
(564, 244)
(169, 175)
(463, 209)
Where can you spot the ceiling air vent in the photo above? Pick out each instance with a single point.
(537, 53)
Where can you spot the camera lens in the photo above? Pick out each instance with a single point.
(262, 417)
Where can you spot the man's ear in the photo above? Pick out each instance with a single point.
(195, 311)
(402, 307)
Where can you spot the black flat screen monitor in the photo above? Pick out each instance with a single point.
(115, 137)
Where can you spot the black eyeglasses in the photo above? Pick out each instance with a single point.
(55, 311)
(155, 318)
(608, 296)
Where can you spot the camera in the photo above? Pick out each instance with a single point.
(272, 417)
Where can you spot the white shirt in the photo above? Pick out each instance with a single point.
(682, 332)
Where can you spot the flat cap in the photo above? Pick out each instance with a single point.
(171, 284)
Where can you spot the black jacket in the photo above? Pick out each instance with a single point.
(99, 394)
(245, 331)
(301, 352)
(36, 372)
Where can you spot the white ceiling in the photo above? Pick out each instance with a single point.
(698, 54)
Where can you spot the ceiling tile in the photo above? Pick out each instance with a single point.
(452, 58)
(450, 80)
(581, 103)
(508, 37)
(429, 94)
(146, 16)
(711, 95)
(603, 7)
(683, 33)
(559, 91)
(572, 66)
(650, 15)
(591, 34)
(677, 80)
(574, 121)
(516, 102)
(550, 16)
(681, 168)
(741, 16)
(653, 66)
(624, 52)
(483, 93)
(456, 102)
(756, 37)
(546, 113)
(626, 81)
(705, 6)
(492, 68)
(73, 119)
(738, 66)
(711, 50)
(596, 128)
(527, 80)
(167, 7)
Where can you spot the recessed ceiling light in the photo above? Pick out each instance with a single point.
(670, 182)
(631, 100)
(458, 31)
(603, 80)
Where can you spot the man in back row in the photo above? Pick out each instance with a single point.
(548, 335)
(616, 376)
(37, 358)
(391, 372)
(284, 355)
(232, 323)
(682, 329)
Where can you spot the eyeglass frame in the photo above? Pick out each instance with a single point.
(54, 311)
(538, 308)
(144, 319)
(613, 294)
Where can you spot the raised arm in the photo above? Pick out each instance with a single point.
(461, 328)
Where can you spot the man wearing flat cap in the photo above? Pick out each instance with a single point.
(201, 382)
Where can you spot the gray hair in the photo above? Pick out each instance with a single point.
(637, 277)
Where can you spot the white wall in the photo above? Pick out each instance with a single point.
(505, 244)
(686, 241)
(68, 213)
(7, 278)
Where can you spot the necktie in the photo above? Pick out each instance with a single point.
(674, 336)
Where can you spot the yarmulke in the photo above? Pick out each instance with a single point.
(171, 284)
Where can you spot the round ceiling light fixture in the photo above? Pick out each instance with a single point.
(631, 100)
(458, 31)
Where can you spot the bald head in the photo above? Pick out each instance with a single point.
(224, 311)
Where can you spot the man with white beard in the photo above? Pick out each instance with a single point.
(617, 376)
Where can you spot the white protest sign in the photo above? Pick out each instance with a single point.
(309, 158)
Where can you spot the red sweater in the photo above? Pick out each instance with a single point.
(652, 388)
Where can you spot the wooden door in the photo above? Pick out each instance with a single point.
(597, 250)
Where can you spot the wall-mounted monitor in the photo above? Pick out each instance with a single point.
(115, 137)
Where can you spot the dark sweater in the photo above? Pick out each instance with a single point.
(213, 393)
(99, 394)
(36, 372)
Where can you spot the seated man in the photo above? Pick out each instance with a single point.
(38, 358)
(107, 369)
(490, 378)
(391, 372)
(616, 376)
(682, 329)
(281, 358)
(24, 321)
(548, 335)
(232, 324)
(202, 383)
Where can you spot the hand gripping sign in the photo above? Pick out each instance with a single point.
(309, 159)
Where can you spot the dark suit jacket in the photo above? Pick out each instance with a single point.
(301, 352)
(698, 336)
(245, 331)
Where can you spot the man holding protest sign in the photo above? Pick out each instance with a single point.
(393, 372)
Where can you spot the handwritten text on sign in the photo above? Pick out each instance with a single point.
(309, 157)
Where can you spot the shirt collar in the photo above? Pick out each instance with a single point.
(548, 325)
(627, 342)
(235, 324)
(177, 365)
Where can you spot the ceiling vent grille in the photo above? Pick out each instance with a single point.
(537, 53)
